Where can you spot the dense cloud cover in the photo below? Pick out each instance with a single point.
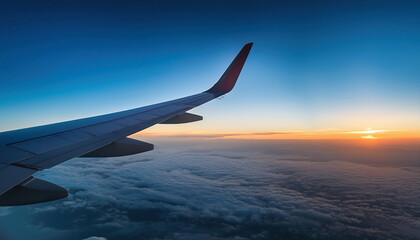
(227, 189)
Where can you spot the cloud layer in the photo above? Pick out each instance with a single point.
(224, 190)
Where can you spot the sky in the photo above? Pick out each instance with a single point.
(319, 68)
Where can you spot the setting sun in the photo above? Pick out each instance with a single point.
(368, 137)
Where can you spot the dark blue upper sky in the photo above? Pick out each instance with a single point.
(314, 65)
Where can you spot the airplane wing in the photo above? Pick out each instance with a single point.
(26, 151)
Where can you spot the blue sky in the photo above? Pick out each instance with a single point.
(314, 65)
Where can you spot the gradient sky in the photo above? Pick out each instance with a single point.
(340, 66)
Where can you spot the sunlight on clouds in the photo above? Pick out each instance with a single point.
(383, 133)
(95, 238)
(370, 131)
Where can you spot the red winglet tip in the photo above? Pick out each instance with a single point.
(229, 78)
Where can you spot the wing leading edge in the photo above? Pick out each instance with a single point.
(26, 151)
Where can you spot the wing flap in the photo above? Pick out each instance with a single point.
(49, 143)
(168, 110)
(127, 122)
(102, 129)
(11, 175)
(145, 117)
(10, 155)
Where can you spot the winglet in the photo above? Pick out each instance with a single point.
(228, 79)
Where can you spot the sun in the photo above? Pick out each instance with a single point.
(368, 137)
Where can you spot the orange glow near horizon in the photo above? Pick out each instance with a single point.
(368, 134)
(371, 131)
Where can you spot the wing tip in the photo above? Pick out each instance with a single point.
(249, 44)
(230, 76)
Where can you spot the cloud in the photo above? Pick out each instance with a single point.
(371, 131)
(4, 211)
(229, 192)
